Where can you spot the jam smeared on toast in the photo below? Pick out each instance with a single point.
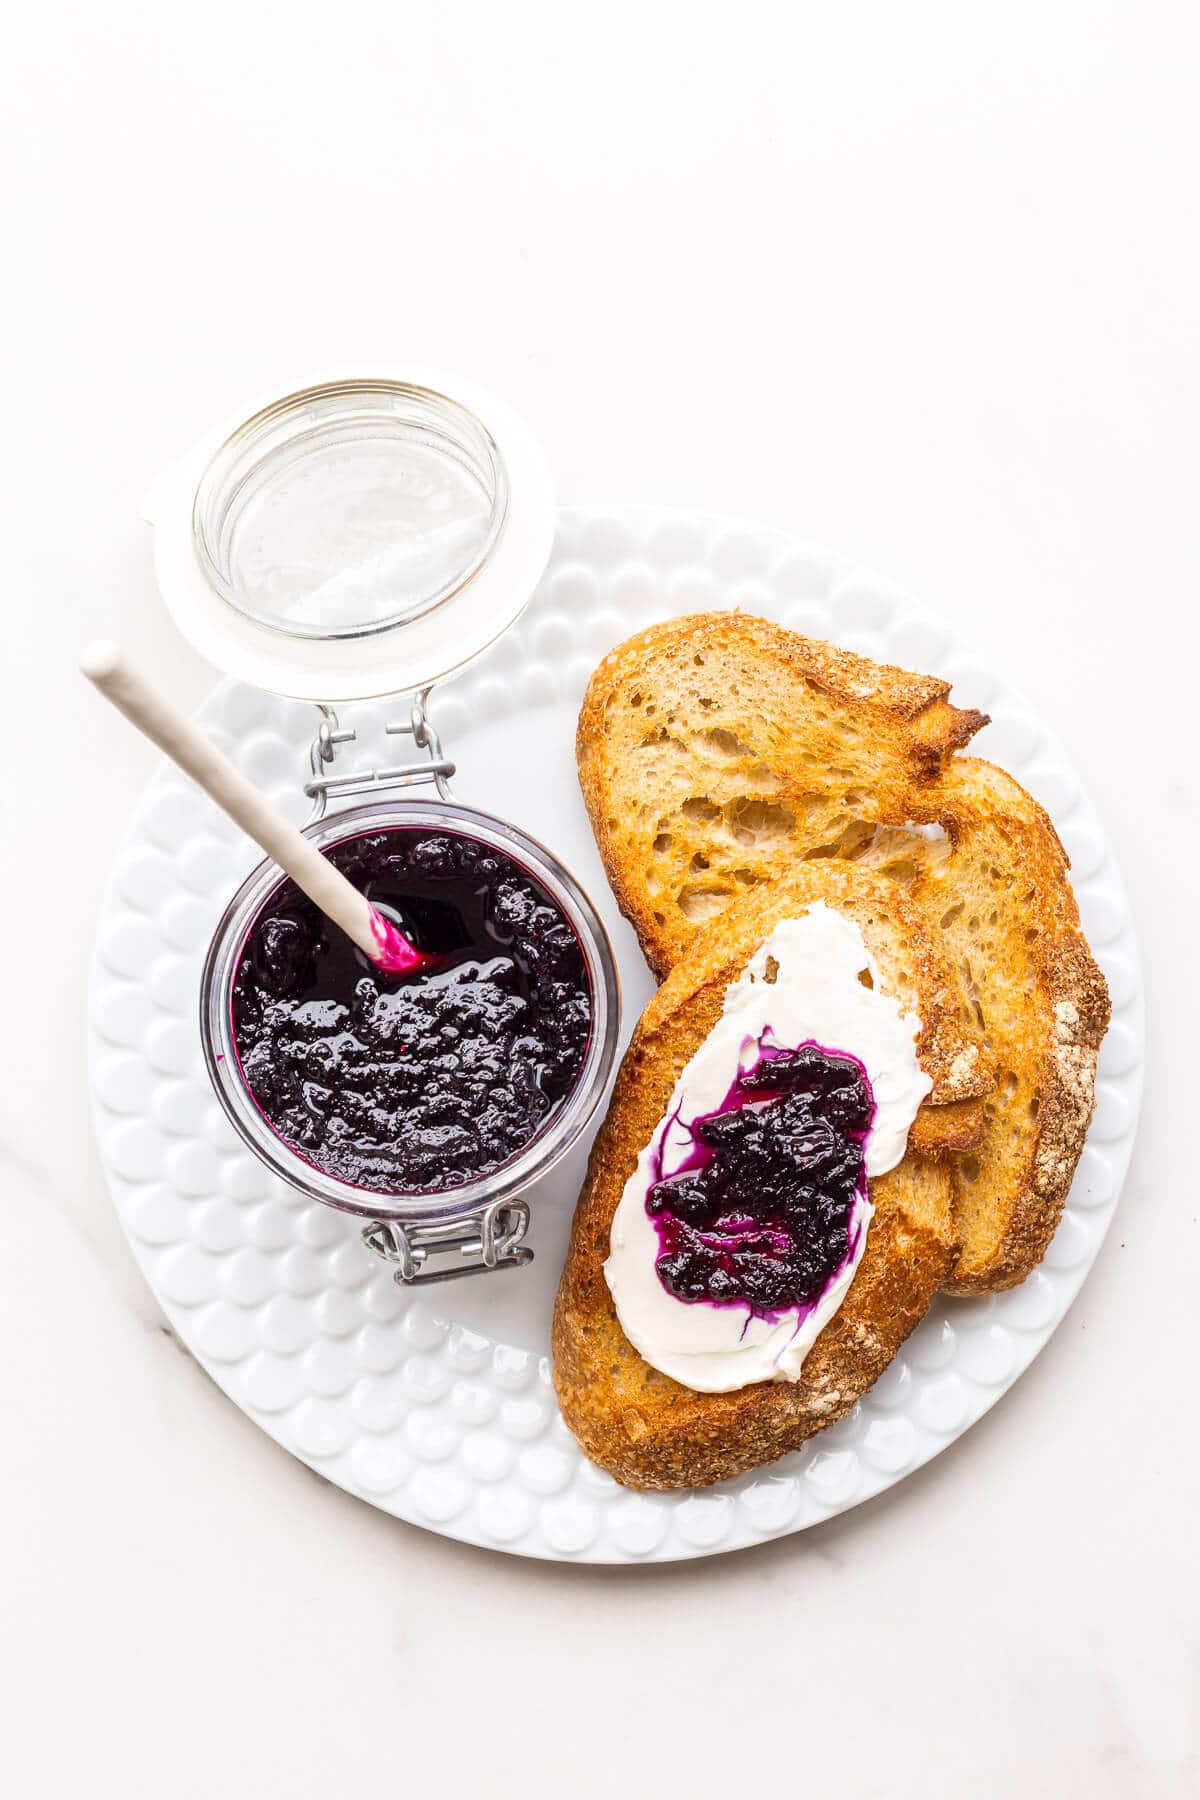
(420, 1082)
(760, 1214)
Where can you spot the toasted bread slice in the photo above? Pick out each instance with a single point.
(646, 1429)
(1002, 905)
(714, 751)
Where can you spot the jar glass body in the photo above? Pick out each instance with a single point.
(560, 1131)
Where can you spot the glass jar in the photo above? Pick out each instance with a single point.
(488, 1204)
(367, 535)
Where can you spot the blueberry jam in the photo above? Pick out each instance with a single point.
(419, 1082)
(760, 1214)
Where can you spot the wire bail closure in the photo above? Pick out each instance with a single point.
(434, 768)
(484, 1241)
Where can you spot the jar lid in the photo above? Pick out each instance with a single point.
(364, 535)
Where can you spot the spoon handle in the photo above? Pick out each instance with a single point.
(107, 669)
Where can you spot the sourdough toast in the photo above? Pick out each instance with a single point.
(1008, 923)
(716, 751)
(646, 1429)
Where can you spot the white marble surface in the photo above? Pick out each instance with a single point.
(919, 282)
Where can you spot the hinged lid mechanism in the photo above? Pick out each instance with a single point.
(364, 535)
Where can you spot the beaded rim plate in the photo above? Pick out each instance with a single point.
(437, 1406)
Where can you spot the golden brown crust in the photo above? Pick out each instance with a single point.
(1008, 920)
(646, 1429)
(716, 750)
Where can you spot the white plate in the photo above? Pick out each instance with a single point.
(438, 1406)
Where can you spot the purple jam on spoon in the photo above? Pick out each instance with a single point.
(394, 953)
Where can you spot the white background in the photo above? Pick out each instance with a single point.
(919, 281)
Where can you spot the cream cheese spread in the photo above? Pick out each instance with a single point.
(812, 981)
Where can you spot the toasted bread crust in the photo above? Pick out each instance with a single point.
(650, 1431)
(1046, 1005)
(715, 750)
